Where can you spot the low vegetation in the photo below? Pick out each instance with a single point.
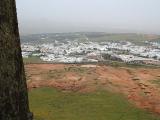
(51, 104)
(32, 59)
(157, 82)
(130, 65)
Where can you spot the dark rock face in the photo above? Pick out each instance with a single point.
(13, 89)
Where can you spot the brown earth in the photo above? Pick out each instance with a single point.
(140, 85)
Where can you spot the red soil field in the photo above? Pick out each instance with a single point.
(140, 85)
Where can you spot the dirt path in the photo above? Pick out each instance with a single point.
(140, 85)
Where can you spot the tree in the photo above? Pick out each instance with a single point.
(13, 88)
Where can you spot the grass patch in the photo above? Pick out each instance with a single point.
(78, 70)
(56, 74)
(32, 59)
(51, 104)
(130, 65)
(157, 82)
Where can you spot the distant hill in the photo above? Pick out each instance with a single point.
(88, 36)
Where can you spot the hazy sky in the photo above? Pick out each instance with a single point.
(47, 16)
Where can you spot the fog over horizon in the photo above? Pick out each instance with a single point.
(111, 16)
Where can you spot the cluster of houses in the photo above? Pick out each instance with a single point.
(77, 52)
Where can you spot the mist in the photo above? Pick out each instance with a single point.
(112, 16)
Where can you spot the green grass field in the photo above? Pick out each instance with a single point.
(32, 59)
(51, 104)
